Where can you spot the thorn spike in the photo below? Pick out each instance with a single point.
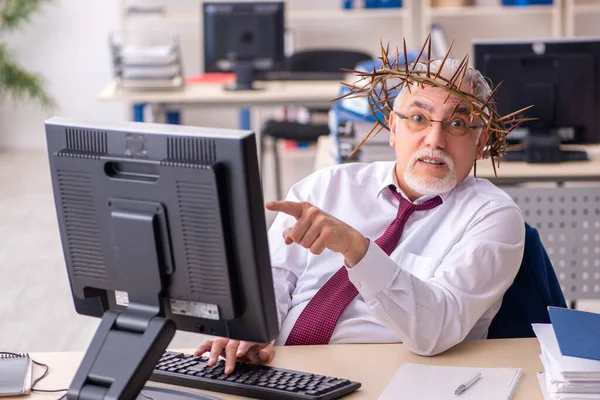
(440, 69)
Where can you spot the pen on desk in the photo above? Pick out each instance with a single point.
(464, 386)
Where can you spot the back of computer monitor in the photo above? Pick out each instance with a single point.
(162, 227)
(561, 78)
(243, 37)
(202, 189)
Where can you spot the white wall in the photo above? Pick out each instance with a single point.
(67, 43)
(361, 34)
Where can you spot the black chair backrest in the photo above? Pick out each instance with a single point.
(534, 289)
(326, 60)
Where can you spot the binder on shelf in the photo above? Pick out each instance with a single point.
(526, 2)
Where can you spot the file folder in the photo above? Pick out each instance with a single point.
(577, 332)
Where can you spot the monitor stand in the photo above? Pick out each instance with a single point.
(545, 149)
(168, 393)
(244, 76)
(128, 344)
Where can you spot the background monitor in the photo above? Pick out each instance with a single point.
(561, 78)
(243, 38)
(162, 227)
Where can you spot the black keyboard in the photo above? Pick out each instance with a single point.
(249, 380)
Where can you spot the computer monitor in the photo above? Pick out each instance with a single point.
(162, 228)
(561, 78)
(243, 38)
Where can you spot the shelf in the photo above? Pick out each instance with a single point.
(586, 8)
(307, 14)
(471, 11)
(356, 13)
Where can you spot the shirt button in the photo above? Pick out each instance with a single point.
(357, 285)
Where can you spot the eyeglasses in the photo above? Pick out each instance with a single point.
(456, 127)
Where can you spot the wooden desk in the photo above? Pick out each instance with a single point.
(509, 172)
(371, 364)
(308, 93)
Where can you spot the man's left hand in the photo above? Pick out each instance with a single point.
(316, 230)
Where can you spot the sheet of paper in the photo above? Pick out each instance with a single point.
(420, 381)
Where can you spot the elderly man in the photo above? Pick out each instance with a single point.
(414, 251)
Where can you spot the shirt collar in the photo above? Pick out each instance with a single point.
(390, 179)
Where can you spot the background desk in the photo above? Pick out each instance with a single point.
(213, 94)
(275, 93)
(509, 172)
(371, 364)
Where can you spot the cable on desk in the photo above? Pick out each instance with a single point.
(148, 397)
(47, 368)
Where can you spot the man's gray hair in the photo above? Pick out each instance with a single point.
(481, 87)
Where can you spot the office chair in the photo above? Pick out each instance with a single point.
(527, 299)
(305, 61)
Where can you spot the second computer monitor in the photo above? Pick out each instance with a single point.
(561, 78)
(243, 38)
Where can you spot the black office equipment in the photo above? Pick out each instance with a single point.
(312, 64)
(289, 75)
(162, 227)
(248, 380)
(561, 78)
(243, 38)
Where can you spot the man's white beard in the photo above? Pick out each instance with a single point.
(427, 185)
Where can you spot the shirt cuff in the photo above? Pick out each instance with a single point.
(373, 273)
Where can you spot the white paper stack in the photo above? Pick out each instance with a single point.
(564, 377)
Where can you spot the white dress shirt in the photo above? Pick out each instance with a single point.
(442, 284)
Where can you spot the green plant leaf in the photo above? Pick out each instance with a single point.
(15, 12)
(18, 84)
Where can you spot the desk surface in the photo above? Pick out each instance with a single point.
(517, 172)
(371, 364)
(508, 172)
(214, 94)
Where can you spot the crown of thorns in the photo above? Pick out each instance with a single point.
(380, 94)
